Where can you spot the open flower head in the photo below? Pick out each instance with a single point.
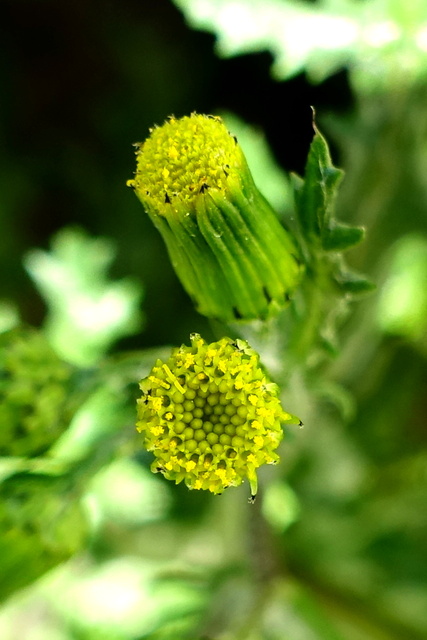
(210, 415)
(226, 244)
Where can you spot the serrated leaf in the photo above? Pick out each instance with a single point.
(339, 237)
(353, 282)
(316, 198)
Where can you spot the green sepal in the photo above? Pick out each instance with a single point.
(339, 237)
(291, 419)
(231, 253)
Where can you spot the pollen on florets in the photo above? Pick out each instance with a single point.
(210, 415)
(183, 158)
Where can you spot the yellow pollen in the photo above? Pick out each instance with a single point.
(156, 403)
(171, 463)
(157, 430)
(185, 157)
(259, 441)
(263, 411)
(221, 473)
(222, 366)
(189, 360)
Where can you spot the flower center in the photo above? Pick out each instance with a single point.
(184, 158)
(206, 420)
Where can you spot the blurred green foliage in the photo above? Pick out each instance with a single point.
(86, 313)
(41, 523)
(33, 394)
(336, 546)
(383, 42)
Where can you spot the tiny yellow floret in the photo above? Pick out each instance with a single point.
(157, 430)
(258, 440)
(184, 157)
(156, 403)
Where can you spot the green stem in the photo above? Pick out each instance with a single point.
(306, 328)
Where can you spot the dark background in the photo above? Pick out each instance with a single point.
(82, 81)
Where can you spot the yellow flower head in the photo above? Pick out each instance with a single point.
(213, 432)
(230, 251)
(184, 158)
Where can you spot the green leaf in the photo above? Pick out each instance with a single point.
(315, 199)
(86, 312)
(353, 282)
(374, 39)
(328, 282)
(339, 237)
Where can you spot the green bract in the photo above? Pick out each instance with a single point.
(210, 415)
(226, 244)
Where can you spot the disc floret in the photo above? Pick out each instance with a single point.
(210, 415)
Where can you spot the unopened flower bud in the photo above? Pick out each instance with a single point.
(225, 242)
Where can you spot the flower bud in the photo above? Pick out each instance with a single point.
(225, 242)
(210, 415)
